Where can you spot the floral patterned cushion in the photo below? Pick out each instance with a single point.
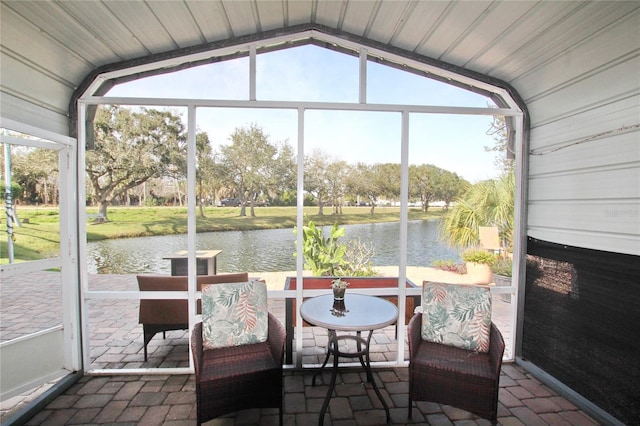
(234, 314)
(456, 315)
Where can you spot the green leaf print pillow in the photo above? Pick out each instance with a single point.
(234, 314)
(456, 315)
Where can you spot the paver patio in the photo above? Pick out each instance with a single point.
(116, 342)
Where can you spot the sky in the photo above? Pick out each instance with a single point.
(311, 73)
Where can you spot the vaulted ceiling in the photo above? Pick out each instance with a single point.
(53, 50)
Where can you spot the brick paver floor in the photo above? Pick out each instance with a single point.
(170, 400)
(116, 342)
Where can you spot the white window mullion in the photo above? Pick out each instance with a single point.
(363, 77)
(519, 237)
(252, 72)
(69, 257)
(404, 216)
(82, 233)
(191, 220)
(300, 224)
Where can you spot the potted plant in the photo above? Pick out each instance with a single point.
(478, 263)
(502, 271)
(339, 287)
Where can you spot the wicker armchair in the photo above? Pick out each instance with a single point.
(239, 377)
(449, 375)
(455, 356)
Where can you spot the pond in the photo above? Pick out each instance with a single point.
(264, 250)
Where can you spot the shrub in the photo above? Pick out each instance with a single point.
(502, 267)
(357, 260)
(450, 266)
(479, 256)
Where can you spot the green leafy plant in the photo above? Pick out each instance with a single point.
(479, 256)
(487, 203)
(323, 256)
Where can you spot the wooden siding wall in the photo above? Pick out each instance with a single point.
(584, 181)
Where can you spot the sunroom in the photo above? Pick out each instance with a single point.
(563, 75)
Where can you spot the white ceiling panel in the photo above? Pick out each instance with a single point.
(298, 12)
(421, 22)
(359, 17)
(578, 61)
(66, 30)
(16, 33)
(177, 19)
(460, 20)
(271, 14)
(22, 80)
(106, 27)
(212, 20)
(243, 17)
(519, 34)
(330, 12)
(577, 23)
(388, 20)
(487, 33)
(511, 41)
(152, 34)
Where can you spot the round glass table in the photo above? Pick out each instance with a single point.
(357, 312)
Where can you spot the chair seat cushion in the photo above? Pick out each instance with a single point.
(441, 358)
(233, 361)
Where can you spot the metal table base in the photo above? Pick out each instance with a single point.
(362, 353)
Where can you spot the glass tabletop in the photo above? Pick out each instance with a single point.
(357, 312)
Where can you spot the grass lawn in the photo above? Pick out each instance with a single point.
(38, 237)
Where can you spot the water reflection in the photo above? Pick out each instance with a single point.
(339, 309)
(262, 250)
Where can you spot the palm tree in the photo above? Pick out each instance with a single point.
(487, 203)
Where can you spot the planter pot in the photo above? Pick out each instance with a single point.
(503, 281)
(338, 293)
(479, 273)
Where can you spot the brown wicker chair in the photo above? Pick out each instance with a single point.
(449, 375)
(161, 315)
(239, 377)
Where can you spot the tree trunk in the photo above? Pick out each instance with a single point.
(46, 193)
(200, 201)
(102, 211)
